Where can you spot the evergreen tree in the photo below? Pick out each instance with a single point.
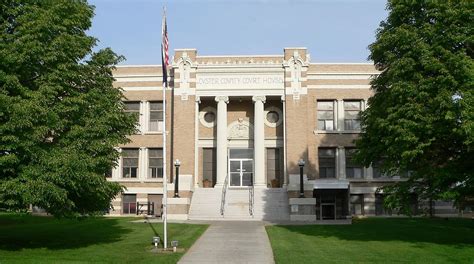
(60, 116)
(420, 119)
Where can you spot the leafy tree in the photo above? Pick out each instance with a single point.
(421, 116)
(60, 116)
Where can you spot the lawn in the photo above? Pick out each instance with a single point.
(30, 239)
(376, 240)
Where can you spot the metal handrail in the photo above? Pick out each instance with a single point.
(224, 191)
(251, 199)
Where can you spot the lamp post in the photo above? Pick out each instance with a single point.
(177, 163)
(301, 164)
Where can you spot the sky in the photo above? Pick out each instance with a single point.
(333, 31)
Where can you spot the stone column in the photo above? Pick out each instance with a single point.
(341, 163)
(259, 142)
(340, 115)
(221, 150)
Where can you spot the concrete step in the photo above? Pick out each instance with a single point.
(205, 204)
(269, 204)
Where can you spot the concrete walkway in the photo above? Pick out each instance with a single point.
(231, 242)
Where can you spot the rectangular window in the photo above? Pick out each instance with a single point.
(133, 108)
(327, 162)
(129, 163)
(357, 204)
(380, 207)
(353, 169)
(273, 168)
(377, 173)
(325, 115)
(209, 166)
(351, 115)
(129, 203)
(156, 116)
(155, 163)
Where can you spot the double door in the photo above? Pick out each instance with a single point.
(241, 172)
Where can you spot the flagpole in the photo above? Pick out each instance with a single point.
(165, 178)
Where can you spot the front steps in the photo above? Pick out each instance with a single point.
(206, 204)
(269, 204)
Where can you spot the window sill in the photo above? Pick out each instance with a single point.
(375, 180)
(153, 133)
(134, 180)
(316, 132)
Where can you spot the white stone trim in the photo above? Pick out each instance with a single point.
(238, 56)
(278, 111)
(196, 140)
(342, 73)
(241, 68)
(137, 65)
(143, 88)
(138, 78)
(343, 63)
(177, 216)
(360, 190)
(331, 184)
(207, 143)
(273, 143)
(340, 77)
(339, 86)
(239, 92)
(179, 200)
(117, 170)
(305, 218)
(341, 163)
(303, 201)
(203, 112)
(221, 139)
(142, 163)
(143, 190)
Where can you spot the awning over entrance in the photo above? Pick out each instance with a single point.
(330, 184)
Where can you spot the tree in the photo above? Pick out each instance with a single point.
(60, 116)
(420, 119)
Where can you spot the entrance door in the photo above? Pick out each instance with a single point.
(328, 211)
(241, 172)
(328, 206)
(157, 200)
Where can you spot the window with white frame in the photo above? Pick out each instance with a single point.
(130, 163)
(352, 110)
(133, 108)
(327, 162)
(156, 117)
(155, 163)
(353, 169)
(325, 115)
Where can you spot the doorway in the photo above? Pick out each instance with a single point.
(157, 200)
(240, 167)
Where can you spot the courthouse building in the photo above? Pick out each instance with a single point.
(240, 126)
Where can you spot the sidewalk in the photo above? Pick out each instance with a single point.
(231, 242)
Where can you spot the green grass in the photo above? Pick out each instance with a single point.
(30, 239)
(376, 240)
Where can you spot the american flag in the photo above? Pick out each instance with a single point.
(164, 50)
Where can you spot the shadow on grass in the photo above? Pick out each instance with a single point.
(454, 232)
(19, 232)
